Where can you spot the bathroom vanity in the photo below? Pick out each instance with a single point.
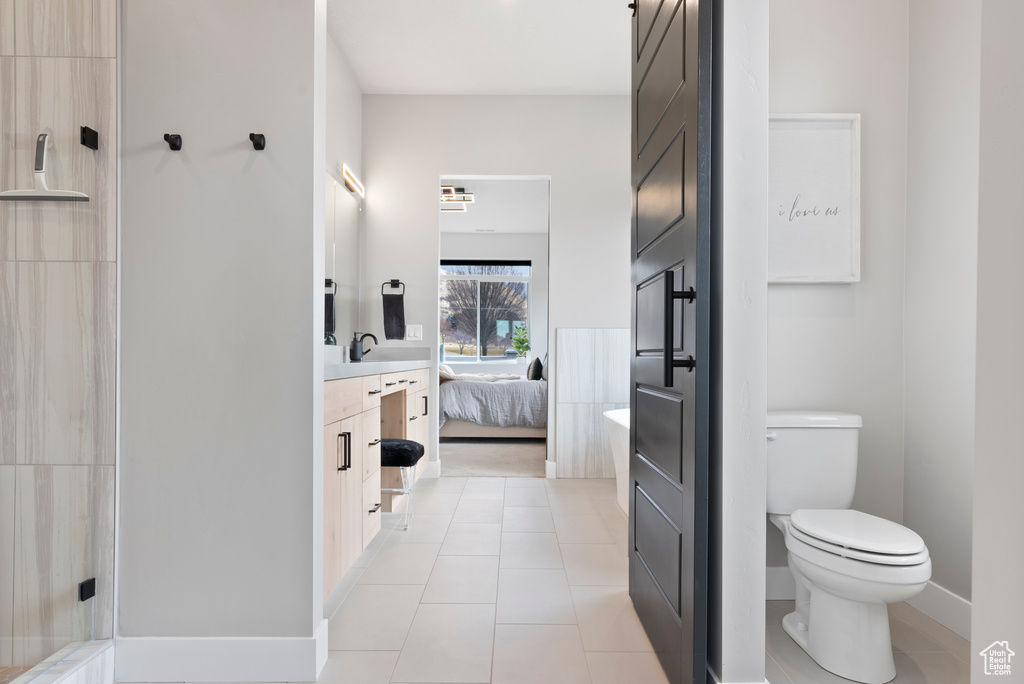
(363, 403)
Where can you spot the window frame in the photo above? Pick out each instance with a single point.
(488, 279)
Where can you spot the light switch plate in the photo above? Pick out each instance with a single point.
(414, 332)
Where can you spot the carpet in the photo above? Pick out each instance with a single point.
(493, 458)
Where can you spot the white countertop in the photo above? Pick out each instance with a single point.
(337, 371)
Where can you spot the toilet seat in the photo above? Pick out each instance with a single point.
(859, 536)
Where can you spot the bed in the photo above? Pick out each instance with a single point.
(498, 408)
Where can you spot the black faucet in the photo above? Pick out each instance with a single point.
(355, 350)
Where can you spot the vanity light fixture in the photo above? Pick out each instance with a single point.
(450, 193)
(351, 182)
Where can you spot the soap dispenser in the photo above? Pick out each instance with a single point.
(355, 352)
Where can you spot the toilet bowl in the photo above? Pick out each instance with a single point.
(617, 423)
(841, 619)
(847, 564)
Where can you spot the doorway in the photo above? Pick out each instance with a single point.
(493, 325)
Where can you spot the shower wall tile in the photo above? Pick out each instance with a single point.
(64, 535)
(65, 363)
(58, 96)
(7, 94)
(54, 28)
(8, 354)
(104, 28)
(6, 27)
(6, 565)
(583, 448)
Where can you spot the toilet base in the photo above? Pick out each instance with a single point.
(847, 638)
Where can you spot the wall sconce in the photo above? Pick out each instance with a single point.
(351, 182)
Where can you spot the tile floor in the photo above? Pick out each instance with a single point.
(510, 581)
(925, 651)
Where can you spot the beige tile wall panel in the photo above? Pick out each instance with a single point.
(7, 209)
(6, 28)
(54, 28)
(7, 508)
(593, 365)
(65, 529)
(104, 28)
(583, 448)
(65, 363)
(8, 350)
(58, 96)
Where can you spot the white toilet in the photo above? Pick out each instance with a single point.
(848, 565)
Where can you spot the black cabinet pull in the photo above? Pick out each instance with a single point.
(671, 295)
(403, 381)
(374, 443)
(346, 449)
(374, 509)
(339, 450)
(413, 417)
(412, 382)
(425, 405)
(372, 392)
(389, 384)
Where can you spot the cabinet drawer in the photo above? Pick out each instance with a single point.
(371, 438)
(342, 399)
(393, 382)
(418, 379)
(371, 508)
(371, 392)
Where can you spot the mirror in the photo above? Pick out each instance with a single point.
(342, 248)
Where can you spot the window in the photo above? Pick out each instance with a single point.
(482, 302)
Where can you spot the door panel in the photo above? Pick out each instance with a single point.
(659, 199)
(671, 254)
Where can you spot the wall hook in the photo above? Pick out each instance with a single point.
(173, 140)
(89, 138)
(259, 141)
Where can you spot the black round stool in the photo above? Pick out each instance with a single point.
(402, 454)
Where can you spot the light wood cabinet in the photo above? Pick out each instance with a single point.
(358, 412)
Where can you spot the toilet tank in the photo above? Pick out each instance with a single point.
(812, 460)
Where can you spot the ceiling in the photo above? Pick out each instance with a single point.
(510, 47)
(500, 206)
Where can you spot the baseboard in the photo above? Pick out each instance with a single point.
(940, 604)
(222, 659)
(431, 469)
(550, 472)
(712, 678)
(779, 584)
(91, 662)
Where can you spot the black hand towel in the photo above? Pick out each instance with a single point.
(394, 316)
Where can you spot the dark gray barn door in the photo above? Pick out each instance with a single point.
(671, 277)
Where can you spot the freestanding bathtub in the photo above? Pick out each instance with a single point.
(617, 424)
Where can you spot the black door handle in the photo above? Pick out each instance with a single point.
(632, 6)
(671, 295)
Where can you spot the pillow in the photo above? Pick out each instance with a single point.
(544, 370)
(535, 370)
(445, 372)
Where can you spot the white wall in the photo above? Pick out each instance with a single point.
(737, 546)
(532, 246)
(840, 347)
(581, 142)
(941, 279)
(997, 590)
(344, 113)
(221, 338)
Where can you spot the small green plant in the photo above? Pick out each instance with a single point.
(520, 341)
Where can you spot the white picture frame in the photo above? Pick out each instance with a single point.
(814, 198)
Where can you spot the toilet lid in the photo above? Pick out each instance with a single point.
(859, 531)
